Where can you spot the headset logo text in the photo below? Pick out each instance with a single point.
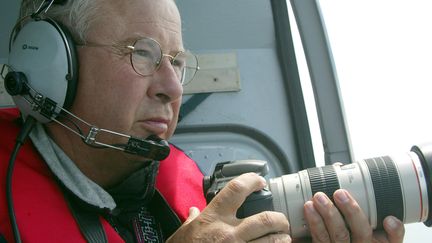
(25, 46)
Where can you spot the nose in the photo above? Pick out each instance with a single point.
(166, 85)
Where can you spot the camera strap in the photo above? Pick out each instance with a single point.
(165, 214)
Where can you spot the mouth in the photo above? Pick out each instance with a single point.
(156, 126)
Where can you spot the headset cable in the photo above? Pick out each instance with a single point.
(20, 139)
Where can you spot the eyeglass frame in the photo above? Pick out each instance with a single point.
(131, 49)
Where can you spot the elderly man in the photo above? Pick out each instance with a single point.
(68, 188)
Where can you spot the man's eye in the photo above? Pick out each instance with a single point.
(179, 63)
(143, 53)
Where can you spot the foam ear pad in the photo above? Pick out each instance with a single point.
(44, 52)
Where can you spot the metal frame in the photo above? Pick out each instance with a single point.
(289, 68)
(334, 132)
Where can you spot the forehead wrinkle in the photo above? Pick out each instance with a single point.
(172, 30)
(171, 26)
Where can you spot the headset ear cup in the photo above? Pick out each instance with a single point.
(44, 52)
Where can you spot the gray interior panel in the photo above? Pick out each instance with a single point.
(260, 104)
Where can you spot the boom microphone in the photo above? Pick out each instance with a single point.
(152, 147)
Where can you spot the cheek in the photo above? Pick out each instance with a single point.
(173, 125)
(108, 92)
(119, 81)
(124, 95)
(100, 76)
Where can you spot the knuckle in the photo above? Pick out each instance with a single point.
(228, 237)
(266, 219)
(332, 212)
(206, 219)
(321, 237)
(354, 209)
(217, 203)
(224, 235)
(235, 185)
(314, 221)
(342, 235)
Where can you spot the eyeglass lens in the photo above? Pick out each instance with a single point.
(147, 56)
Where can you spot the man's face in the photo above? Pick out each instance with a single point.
(111, 94)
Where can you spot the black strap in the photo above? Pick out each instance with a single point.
(89, 224)
(167, 218)
(87, 220)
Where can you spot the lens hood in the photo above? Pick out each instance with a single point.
(424, 152)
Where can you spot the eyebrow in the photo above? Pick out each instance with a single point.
(132, 40)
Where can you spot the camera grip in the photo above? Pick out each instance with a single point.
(255, 203)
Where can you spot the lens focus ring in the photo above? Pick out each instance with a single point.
(387, 188)
(323, 179)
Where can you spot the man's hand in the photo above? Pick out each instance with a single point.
(327, 223)
(218, 221)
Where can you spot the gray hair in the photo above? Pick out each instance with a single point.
(75, 15)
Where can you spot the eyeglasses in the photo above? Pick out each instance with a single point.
(146, 58)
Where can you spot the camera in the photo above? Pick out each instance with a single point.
(398, 185)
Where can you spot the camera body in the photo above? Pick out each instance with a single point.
(225, 171)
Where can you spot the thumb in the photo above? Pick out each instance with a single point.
(193, 213)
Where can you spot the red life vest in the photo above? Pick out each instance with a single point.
(41, 211)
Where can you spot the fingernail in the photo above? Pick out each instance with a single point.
(342, 196)
(392, 222)
(192, 210)
(263, 180)
(322, 199)
(309, 207)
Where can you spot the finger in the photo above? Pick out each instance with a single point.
(273, 238)
(193, 213)
(361, 231)
(394, 228)
(232, 196)
(333, 220)
(316, 224)
(264, 223)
